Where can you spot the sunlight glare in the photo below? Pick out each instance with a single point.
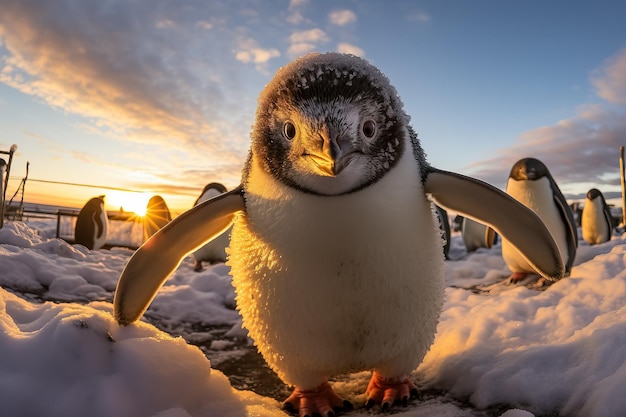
(128, 201)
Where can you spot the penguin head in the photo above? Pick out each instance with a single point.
(217, 186)
(529, 169)
(329, 124)
(96, 203)
(593, 194)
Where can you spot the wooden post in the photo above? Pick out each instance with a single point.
(6, 169)
(621, 174)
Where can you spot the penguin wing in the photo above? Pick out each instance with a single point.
(97, 217)
(571, 231)
(608, 217)
(159, 256)
(480, 201)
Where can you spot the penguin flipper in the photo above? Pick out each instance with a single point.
(159, 256)
(480, 201)
(571, 230)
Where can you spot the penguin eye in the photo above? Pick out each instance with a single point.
(369, 128)
(289, 130)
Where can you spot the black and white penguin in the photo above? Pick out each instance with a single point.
(215, 250)
(157, 215)
(596, 219)
(477, 235)
(335, 251)
(92, 224)
(531, 183)
(444, 226)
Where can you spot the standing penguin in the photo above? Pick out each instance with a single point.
(531, 183)
(477, 235)
(157, 215)
(92, 224)
(596, 219)
(335, 251)
(215, 250)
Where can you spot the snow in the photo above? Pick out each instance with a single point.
(513, 352)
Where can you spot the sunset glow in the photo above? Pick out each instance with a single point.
(127, 201)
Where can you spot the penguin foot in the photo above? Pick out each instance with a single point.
(389, 391)
(321, 400)
(517, 277)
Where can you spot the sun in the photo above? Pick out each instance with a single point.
(128, 201)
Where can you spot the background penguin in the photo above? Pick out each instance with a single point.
(596, 219)
(214, 251)
(444, 225)
(477, 235)
(92, 224)
(157, 215)
(531, 183)
(335, 251)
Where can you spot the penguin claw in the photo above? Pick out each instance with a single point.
(321, 400)
(388, 391)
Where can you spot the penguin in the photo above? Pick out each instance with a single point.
(531, 183)
(92, 224)
(157, 215)
(596, 219)
(335, 251)
(477, 235)
(444, 226)
(214, 251)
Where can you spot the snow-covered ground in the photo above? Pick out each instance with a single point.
(513, 352)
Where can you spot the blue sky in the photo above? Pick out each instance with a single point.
(159, 96)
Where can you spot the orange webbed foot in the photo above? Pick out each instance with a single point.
(321, 400)
(516, 277)
(388, 391)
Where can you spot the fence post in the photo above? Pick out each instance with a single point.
(621, 174)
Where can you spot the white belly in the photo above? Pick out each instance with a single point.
(594, 225)
(536, 195)
(327, 285)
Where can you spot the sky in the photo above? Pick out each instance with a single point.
(159, 96)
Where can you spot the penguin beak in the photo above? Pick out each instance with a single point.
(335, 152)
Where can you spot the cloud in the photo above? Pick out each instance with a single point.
(165, 23)
(297, 3)
(249, 51)
(342, 17)
(257, 55)
(300, 49)
(312, 36)
(579, 151)
(306, 41)
(134, 72)
(204, 24)
(610, 80)
(295, 16)
(419, 16)
(347, 48)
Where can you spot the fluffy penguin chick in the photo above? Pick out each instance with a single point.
(335, 252)
(597, 221)
(338, 265)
